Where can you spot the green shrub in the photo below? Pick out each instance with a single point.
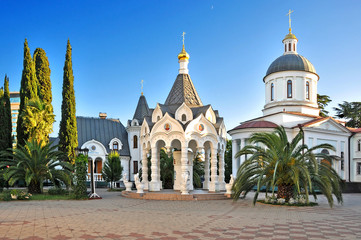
(58, 191)
(80, 188)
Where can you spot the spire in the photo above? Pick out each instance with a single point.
(183, 59)
(290, 41)
(142, 109)
(141, 83)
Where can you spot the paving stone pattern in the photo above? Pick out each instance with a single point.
(117, 217)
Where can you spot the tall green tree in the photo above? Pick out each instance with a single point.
(112, 170)
(68, 134)
(351, 111)
(5, 117)
(323, 101)
(228, 161)
(291, 166)
(42, 71)
(28, 90)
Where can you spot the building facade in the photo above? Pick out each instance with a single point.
(15, 106)
(291, 101)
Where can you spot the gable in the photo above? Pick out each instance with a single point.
(328, 124)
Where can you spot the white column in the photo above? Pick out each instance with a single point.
(243, 143)
(206, 169)
(222, 183)
(235, 161)
(145, 169)
(214, 184)
(184, 164)
(154, 184)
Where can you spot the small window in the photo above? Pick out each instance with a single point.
(135, 141)
(184, 117)
(115, 146)
(285, 48)
(358, 168)
(308, 90)
(289, 47)
(359, 145)
(135, 167)
(289, 89)
(272, 91)
(158, 118)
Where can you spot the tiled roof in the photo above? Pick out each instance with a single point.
(256, 124)
(183, 91)
(142, 109)
(103, 131)
(354, 130)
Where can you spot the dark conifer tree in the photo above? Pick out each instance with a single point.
(7, 120)
(28, 90)
(42, 71)
(68, 134)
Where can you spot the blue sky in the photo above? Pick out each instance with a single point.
(116, 44)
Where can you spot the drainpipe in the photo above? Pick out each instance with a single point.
(349, 156)
(130, 160)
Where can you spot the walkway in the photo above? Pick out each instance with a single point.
(116, 217)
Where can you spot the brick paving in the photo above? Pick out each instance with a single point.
(117, 217)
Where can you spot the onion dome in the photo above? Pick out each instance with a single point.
(290, 36)
(183, 55)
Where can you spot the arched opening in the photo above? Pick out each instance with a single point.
(272, 91)
(158, 118)
(289, 89)
(289, 47)
(184, 117)
(135, 141)
(285, 48)
(98, 167)
(308, 90)
(325, 152)
(294, 47)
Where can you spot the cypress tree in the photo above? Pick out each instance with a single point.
(68, 134)
(7, 120)
(2, 118)
(28, 90)
(42, 71)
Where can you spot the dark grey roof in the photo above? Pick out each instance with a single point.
(142, 109)
(183, 91)
(102, 130)
(290, 62)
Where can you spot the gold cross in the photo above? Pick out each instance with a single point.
(183, 34)
(141, 83)
(289, 18)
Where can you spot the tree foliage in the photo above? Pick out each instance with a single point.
(112, 170)
(351, 111)
(198, 171)
(34, 163)
(80, 189)
(166, 169)
(38, 119)
(68, 134)
(274, 161)
(42, 71)
(228, 161)
(5, 117)
(28, 90)
(323, 101)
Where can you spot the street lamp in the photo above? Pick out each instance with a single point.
(93, 194)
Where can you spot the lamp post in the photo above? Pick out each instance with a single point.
(92, 182)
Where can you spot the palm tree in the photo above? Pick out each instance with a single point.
(36, 162)
(166, 169)
(38, 118)
(112, 170)
(351, 112)
(291, 166)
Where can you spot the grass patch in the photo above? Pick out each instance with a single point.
(310, 204)
(51, 197)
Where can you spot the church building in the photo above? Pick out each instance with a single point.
(291, 101)
(183, 127)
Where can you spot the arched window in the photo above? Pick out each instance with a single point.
(289, 89)
(158, 118)
(359, 145)
(289, 47)
(272, 91)
(184, 117)
(115, 146)
(285, 48)
(308, 90)
(135, 141)
(294, 47)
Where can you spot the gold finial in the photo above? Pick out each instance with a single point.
(289, 19)
(183, 55)
(141, 83)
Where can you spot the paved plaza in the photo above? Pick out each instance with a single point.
(116, 217)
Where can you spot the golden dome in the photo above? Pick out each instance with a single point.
(290, 36)
(183, 54)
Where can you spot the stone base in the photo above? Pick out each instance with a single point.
(205, 185)
(146, 183)
(154, 187)
(222, 186)
(214, 187)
